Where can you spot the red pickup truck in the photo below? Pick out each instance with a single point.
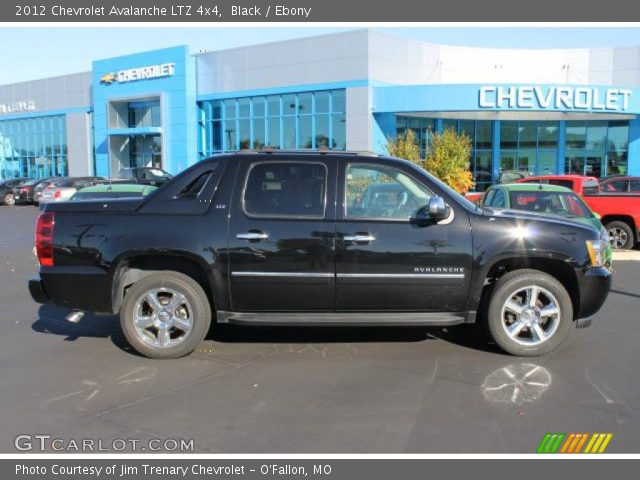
(619, 212)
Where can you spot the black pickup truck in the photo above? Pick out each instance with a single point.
(274, 238)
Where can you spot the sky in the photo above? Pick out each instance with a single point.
(28, 53)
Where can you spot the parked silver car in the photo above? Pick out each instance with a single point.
(64, 188)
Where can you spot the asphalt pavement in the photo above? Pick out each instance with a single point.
(309, 390)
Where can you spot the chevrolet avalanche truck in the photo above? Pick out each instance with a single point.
(324, 238)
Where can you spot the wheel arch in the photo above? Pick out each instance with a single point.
(557, 268)
(134, 267)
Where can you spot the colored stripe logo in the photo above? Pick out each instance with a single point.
(574, 443)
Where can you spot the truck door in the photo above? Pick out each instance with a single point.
(282, 236)
(384, 261)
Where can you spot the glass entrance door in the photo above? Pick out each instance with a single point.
(145, 151)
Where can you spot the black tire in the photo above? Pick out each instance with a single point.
(511, 283)
(9, 199)
(196, 299)
(620, 235)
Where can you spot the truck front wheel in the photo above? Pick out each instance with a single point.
(165, 315)
(530, 313)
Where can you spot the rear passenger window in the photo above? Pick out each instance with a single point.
(286, 189)
(193, 189)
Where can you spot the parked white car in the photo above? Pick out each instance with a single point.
(64, 189)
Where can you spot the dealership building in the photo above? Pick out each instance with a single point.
(535, 110)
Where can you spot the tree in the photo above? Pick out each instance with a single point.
(449, 159)
(405, 145)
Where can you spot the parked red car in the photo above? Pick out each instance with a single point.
(619, 211)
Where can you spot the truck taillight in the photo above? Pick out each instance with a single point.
(44, 239)
(57, 194)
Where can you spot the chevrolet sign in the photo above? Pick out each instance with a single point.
(140, 73)
(527, 97)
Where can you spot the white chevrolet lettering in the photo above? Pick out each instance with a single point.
(528, 97)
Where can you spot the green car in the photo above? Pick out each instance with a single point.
(546, 199)
(113, 190)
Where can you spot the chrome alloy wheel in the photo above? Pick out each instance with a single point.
(531, 315)
(163, 318)
(618, 238)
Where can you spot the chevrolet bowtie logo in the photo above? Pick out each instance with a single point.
(108, 78)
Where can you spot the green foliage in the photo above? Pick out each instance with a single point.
(448, 158)
(405, 145)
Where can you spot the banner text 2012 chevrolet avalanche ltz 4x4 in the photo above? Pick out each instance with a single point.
(294, 238)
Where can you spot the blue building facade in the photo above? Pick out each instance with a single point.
(540, 111)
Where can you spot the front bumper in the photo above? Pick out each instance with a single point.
(36, 289)
(594, 284)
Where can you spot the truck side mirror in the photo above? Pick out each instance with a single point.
(434, 211)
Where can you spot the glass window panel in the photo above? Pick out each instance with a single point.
(216, 109)
(258, 133)
(527, 160)
(507, 161)
(548, 134)
(339, 137)
(230, 108)
(576, 133)
(230, 135)
(258, 107)
(527, 135)
(484, 134)
(216, 134)
(322, 131)
(305, 103)
(596, 134)
(618, 136)
(468, 127)
(449, 124)
(286, 189)
(289, 132)
(273, 105)
(574, 164)
(338, 101)
(594, 164)
(508, 135)
(273, 127)
(482, 170)
(617, 163)
(322, 102)
(155, 116)
(401, 123)
(244, 134)
(547, 162)
(289, 105)
(244, 108)
(306, 133)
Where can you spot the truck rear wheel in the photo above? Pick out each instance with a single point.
(530, 313)
(620, 235)
(165, 315)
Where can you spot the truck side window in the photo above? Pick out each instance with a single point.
(286, 189)
(380, 192)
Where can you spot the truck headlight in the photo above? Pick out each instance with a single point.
(596, 252)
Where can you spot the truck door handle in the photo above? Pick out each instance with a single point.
(359, 238)
(255, 235)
